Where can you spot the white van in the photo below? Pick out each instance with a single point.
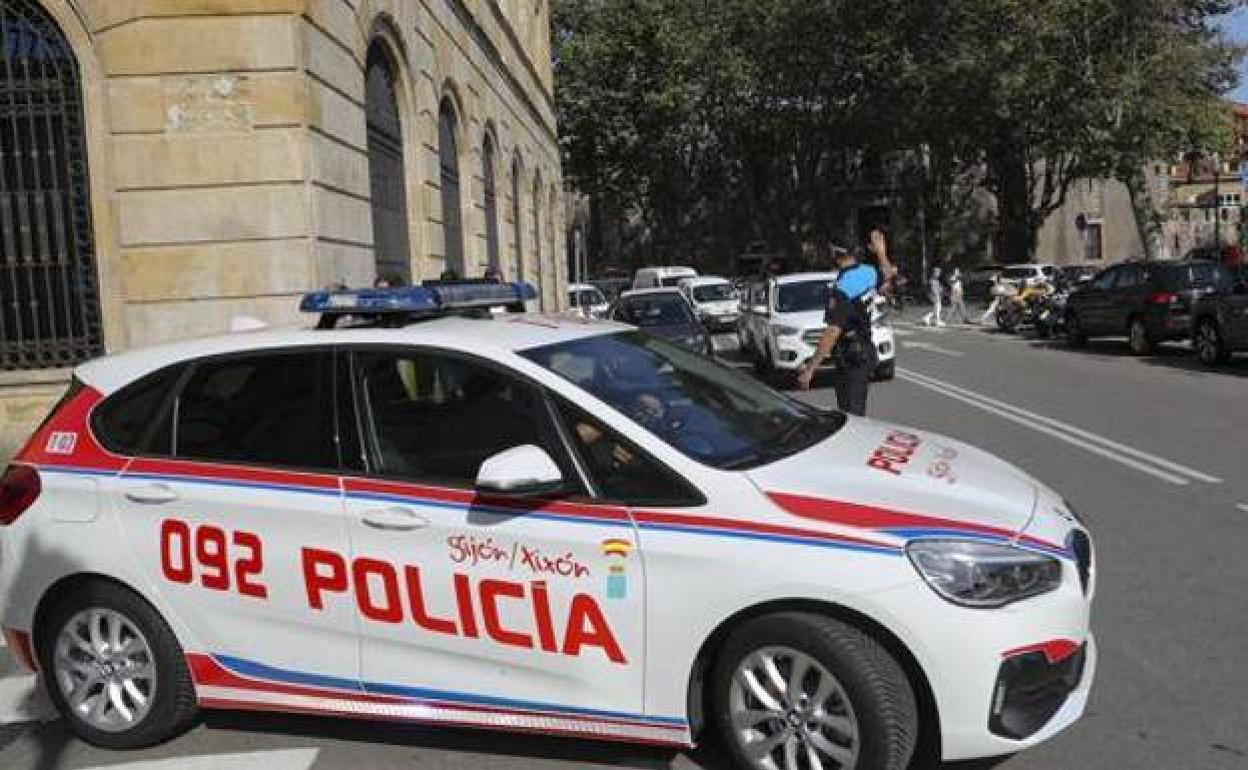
(662, 277)
(714, 300)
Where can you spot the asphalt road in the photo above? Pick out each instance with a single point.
(1153, 452)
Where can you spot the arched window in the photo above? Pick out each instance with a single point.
(387, 179)
(491, 202)
(538, 244)
(517, 220)
(49, 290)
(452, 213)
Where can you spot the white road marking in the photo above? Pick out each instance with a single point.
(23, 700)
(929, 347)
(280, 759)
(1131, 457)
(1243, 507)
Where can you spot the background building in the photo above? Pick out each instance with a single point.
(166, 165)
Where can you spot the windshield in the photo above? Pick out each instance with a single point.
(803, 297)
(715, 292)
(587, 298)
(672, 280)
(1018, 273)
(656, 310)
(704, 409)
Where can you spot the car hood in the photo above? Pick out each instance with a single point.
(807, 319)
(901, 482)
(673, 331)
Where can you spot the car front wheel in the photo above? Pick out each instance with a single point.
(114, 669)
(794, 691)
(1140, 340)
(1210, 347)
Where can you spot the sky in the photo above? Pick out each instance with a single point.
(1236, 25)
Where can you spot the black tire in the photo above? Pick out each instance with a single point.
(174, 706)
(1140, 341)
(1075, 336)
(877, 688)
(1211, 347)
(886, 371)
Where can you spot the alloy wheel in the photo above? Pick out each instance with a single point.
(1208, 344)
(790, 713)
(105, 669)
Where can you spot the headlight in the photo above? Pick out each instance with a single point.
(981, 575)
(787, 331)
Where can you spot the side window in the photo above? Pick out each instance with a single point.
(124, 421)
(437, 418)
(622, 472)
(1105, 280)
(267, 409)
(1129, 277)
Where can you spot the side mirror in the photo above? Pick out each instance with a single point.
(523, 471)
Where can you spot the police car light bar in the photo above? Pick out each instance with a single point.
(431, 298)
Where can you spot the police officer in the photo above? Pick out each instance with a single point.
(847, 337)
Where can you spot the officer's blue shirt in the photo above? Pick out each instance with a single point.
(857, 281)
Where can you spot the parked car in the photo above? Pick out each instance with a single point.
(1148, 302)
(661, 277)
(587, 300)
(1019, 275)
(663, 313)
(1220, 320)
(782, 320)
(714, 301)
(979, 280)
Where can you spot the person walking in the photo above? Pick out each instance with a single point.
(847, 336)
(957, 304)
(997, 291)
(935, 293)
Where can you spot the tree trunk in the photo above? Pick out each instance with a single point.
(1147, 222)
(1017, 228)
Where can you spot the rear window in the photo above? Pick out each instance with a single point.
(270, 409)
(135, 418)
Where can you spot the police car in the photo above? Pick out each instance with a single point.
(530, 524)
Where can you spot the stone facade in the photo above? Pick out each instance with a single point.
(228, 148)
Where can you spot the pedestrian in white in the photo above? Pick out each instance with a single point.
(956, 304)
(935, 292)
(998, 291)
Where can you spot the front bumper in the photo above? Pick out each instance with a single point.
(792, 352)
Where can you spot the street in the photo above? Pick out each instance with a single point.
(1150, 451)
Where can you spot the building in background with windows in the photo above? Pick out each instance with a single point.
(167, 165)
(1207, 197)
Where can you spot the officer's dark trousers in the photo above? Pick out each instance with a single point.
(851, 389)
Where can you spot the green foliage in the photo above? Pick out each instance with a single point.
(724, 122)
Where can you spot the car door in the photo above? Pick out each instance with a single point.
(1093, 302)
(1234, 309)
(235, 483)
(1129, 296)
(475, 600)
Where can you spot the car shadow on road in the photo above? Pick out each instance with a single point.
(1170, 356)
(523, 749)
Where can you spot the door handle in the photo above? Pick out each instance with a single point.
(395, 519)
(151, 494)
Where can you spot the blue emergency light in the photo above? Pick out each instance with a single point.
(428, 299)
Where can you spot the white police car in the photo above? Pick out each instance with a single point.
(535, 524)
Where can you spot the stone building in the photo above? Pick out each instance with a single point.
(167, 165)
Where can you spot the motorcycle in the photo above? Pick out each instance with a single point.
(1021, 308)
(1050, 314)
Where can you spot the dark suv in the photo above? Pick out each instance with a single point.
(1148, 302)
(1220, 321)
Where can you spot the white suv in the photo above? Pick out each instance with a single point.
(782, 321)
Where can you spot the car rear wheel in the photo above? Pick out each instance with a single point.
(1210, 347)
(797, 691)
(1141, 341)
(1075, 336)
(114, 669)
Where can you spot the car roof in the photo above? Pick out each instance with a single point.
(582, 287)
(781, 280)
(705, 280)
(652, 292)
(669, 269)
(489, 337)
